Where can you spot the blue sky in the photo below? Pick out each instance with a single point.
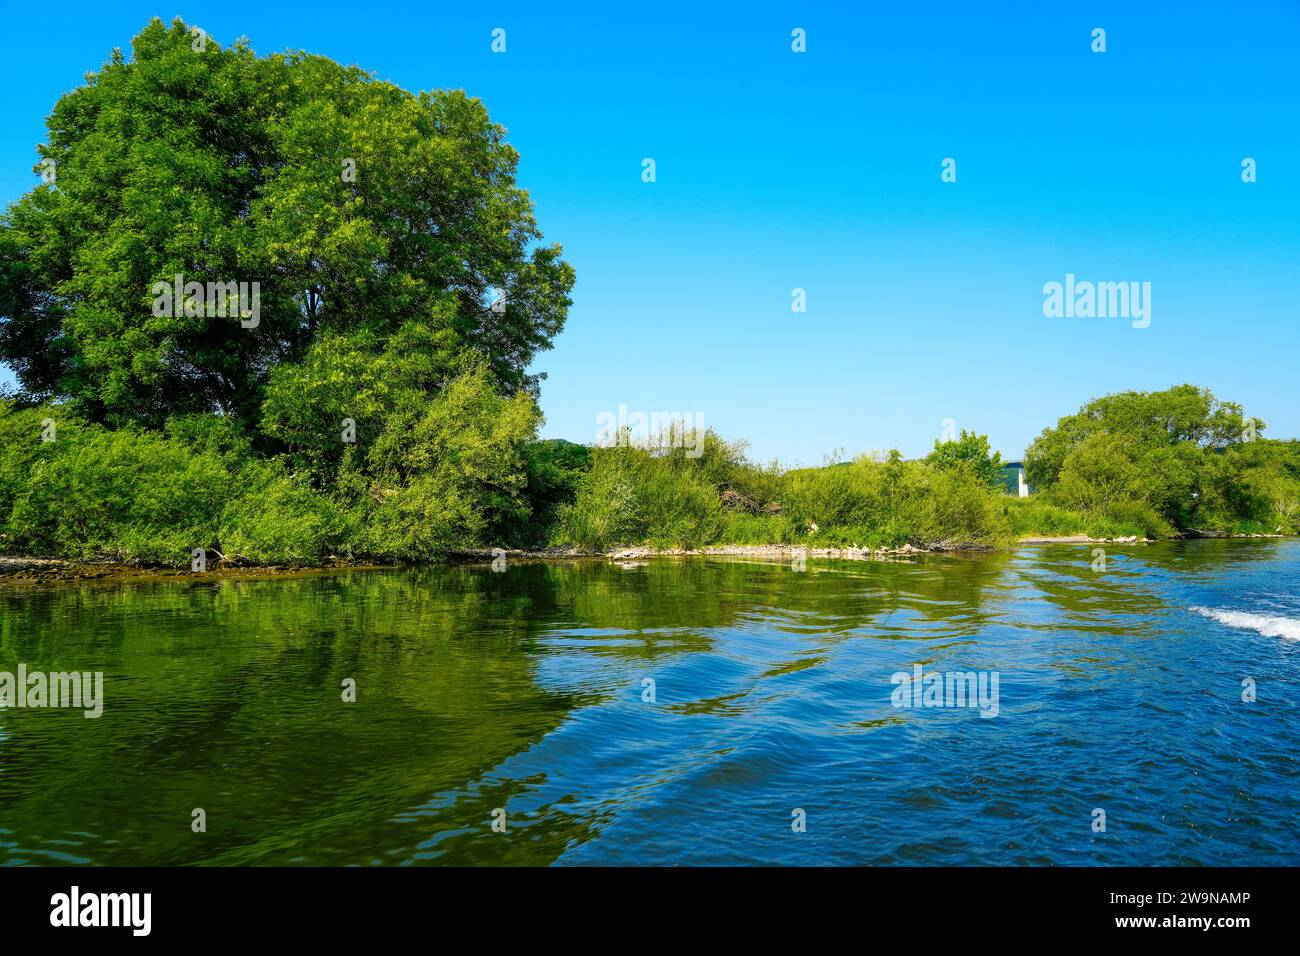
(821, 170)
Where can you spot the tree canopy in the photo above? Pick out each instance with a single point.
(1196, 461)
(968, 450)
(361, 210)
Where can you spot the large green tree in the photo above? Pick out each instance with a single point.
(1180, 417)
(1196, 460)
(358, 207)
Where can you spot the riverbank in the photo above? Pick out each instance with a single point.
(30, 570)
(21, 570)
(790, 551)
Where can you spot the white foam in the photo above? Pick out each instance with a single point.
(1270, 625)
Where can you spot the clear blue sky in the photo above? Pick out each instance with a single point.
(821, 170)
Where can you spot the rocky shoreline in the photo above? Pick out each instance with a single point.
(33, 570)
(780, 550)
(29, 570)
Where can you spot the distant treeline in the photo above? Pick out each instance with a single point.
(1150, 464)
(467, 471)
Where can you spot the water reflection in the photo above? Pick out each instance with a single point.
(526, 691)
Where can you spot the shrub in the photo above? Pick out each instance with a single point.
(21, 447)
(1136, 518)
(631, 496)
(553, 471)
(126, 495)
(972, 451)
(681, 507)
(444, 473)
(608, 508)
(1037, 515)
(278, 519)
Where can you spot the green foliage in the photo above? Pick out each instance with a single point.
(1098, 472)
(971, 451)
(222, 166)
(446, 472)
(128, 495)
(897, 502)
(379, 408)
(348, 387)
(20, 449)
(608, 508)
(757, 529)
(217, 435)
(1036, 515)
(463, 469)
(672, 499)
(438, 476)
(278, 519)
(553, 469)
(1130, 519)
(1148, 421)
(633, 496)
(682, 508)
(1156, 463)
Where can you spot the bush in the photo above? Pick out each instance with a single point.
(959, 507)
(1138, 518)
(631, 496)
(553, 470)
(1037, 515)
(444, 473)
(608, 507)
(125, 495)
(896, 502)
(741, 528)
(461, 468)
(440, 475)
(278, 519)
(682, 509)
(20, 448)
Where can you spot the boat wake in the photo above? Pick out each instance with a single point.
(1270, 625)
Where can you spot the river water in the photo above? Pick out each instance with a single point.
(671, 711)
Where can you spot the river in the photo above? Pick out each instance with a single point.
(671, 711)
